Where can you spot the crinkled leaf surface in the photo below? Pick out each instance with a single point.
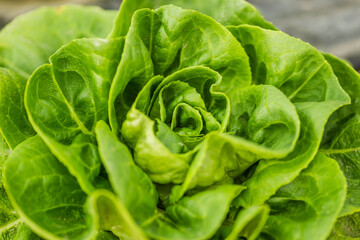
(249, 222)
(51, 189)
(69, 95)
(112, 215)
(301, 73)
(179, 81)
(229, 12)
(18, 230)
(26, 43)
(31, 172)
(14, 125)
(265, 125)
(169, 39)
(176, 118)
(308, 207)
(195, 217)
(9, 221)
(346, 228)
(349, 80)
(29, 40)
(350, 163)
(66, 98)
(340, 139)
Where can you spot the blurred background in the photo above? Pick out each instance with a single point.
(330, 25)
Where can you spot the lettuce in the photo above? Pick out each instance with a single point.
(173, 120)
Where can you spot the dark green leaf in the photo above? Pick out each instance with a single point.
(308, 207)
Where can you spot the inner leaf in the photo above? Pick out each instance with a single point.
(186, 120)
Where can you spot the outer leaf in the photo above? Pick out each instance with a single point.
(296, 68)
(301, 72)
(66, 98)
(346, 153)
(346, 228)
(241, 12)
(40, 188)
(51, 201)
(308, 207)
(29, 40)
(82, 159)
(341, 140)
(196, 217)
(349, 80)
(14, 125)
(78, 78)
(350, 163)
(9, 220)
(26, 43)
(133, 187)
(166, 40)
(270, 175)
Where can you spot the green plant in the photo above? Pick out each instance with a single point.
(206, 123)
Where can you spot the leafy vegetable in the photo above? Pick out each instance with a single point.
(186, 121)
(25, 44)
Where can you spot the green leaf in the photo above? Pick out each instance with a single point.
(133, 187)
(349, 80)
(14, 125)
(43, 192)
(29, 40)
(350, 163)
(66, 98)
(344, 149)
(26, 43)
(346, 228)
(69, 95)
(156, 128)
(105, 235)
(196, 217)
(308, 207)
(174, 85)
(9, 220)
(135, 190)
(51, 201)
(301, 73)
(138, 130)
(267, 119)
(82, 159)
(4, 150)
(230, 12)
(293, 66)
(249, 222)
(265, 126)
(272, 174)
(169, 39)
(340, 139)
(17, 230)
(112, 215)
